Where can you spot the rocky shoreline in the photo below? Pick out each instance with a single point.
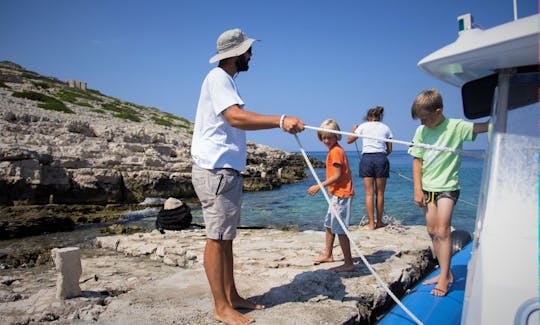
(150, 278)
(63, 145)
(31, 220)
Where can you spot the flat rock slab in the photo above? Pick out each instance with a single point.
(153, 278)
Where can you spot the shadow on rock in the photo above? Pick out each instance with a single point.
(320, 284)
(307, 286)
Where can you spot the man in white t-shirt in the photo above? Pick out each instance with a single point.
(218, 151)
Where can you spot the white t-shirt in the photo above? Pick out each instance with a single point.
(374, 129)
(215, 143)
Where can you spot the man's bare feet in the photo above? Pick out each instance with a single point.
(230, 316)
(241, 303)
(344, 268)
(323, 259)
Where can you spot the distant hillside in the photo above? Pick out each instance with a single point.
(74, 145)
(55, 95)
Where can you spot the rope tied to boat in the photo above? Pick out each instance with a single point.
(347, 232)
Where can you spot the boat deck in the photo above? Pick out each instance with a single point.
(431, 309)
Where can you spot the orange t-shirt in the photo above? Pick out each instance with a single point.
(343, 188)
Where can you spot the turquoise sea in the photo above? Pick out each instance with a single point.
(291, 206)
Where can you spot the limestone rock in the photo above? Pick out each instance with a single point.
(108, 151)
(155, 278)
(68, 264)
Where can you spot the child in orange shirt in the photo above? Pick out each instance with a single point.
(340, 187)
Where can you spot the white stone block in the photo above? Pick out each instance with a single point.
(68, 264)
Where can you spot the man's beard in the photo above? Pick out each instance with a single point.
(241, 64)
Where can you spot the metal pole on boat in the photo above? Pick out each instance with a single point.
(515, 10)
(502, 100)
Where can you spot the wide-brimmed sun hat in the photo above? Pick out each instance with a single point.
(231, 43)
(172, 203)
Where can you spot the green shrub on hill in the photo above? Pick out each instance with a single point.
(31, 75)
(162, 121)
(122, 111)
(32, 95)
(47, 102)
(95, 92)
(3, 85)
(42, 85)
(187, 123)
(84, 104)
(97, 110)
(128, 116)
(73, 95)
(168, 119)
(56, 105)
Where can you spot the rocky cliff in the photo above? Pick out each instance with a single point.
(78, 146)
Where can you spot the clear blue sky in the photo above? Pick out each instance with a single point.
(316, 59)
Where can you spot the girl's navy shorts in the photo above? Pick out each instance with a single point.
(374, 165)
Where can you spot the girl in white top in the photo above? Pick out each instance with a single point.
(374, 164)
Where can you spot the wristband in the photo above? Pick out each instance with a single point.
(281, 120)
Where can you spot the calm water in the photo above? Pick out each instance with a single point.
(291, 206)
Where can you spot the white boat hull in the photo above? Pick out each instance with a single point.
(478, 53)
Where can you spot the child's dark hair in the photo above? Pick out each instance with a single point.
(426, 101)
(375, 114)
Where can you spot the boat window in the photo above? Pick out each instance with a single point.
(478, 95)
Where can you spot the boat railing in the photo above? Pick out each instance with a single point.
(526, 310)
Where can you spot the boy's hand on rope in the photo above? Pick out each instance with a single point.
(312, 190)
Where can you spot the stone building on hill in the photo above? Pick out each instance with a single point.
(76, 84)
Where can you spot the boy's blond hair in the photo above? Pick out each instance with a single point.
(426, 101)
(329, 124)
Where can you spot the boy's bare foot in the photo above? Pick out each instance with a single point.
(381, 225)
(323, 259)
(436, 279)
(441, 289)
(230, 316)
(439, 292)
(344, 268)
(241, 303)
(371, 226)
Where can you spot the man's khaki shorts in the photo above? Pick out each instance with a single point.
(220, 193)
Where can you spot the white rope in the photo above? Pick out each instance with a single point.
(381, 282)
(479, 155)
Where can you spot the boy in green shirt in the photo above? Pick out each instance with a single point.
(435, 174)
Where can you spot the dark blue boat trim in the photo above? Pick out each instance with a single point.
(429, 308)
